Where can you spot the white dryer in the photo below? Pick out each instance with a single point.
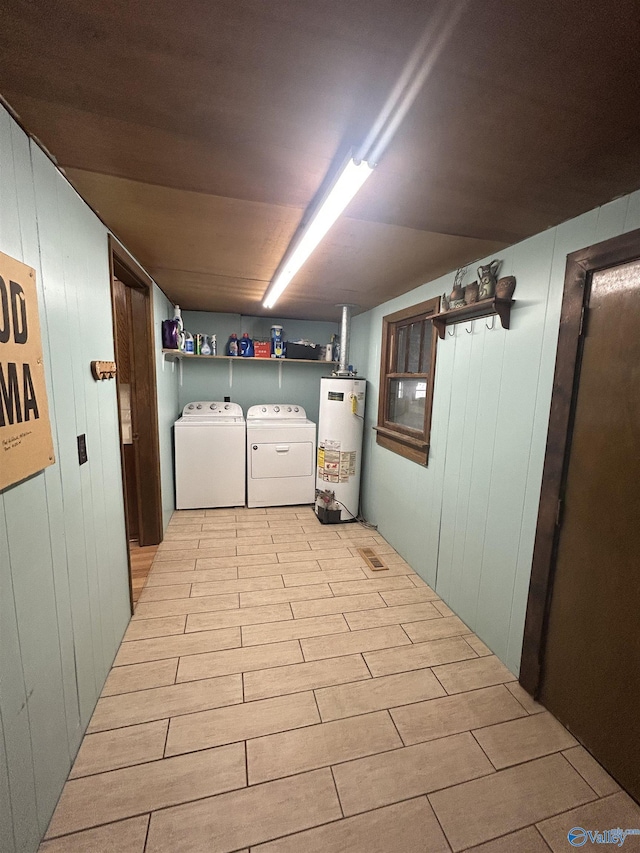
(210, 456)
(281, 456)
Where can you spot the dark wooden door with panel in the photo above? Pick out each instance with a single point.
(590, 676)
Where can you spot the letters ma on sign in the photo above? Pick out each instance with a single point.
(25, 431)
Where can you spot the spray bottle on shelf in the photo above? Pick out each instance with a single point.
(232, 345)
(214, 345)
(177, 316)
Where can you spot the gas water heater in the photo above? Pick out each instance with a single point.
(340, 429)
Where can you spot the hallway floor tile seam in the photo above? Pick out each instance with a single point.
(343, 684)
(341, 751)
(325, 823)
(531, 826)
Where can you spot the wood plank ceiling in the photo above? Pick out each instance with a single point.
(201, 130)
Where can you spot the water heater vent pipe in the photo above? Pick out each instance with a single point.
(345, 335)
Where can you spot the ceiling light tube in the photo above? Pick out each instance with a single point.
(348, 182)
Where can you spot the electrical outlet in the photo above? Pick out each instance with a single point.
(82, 449)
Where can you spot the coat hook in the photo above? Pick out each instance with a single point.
(469, 331)
(493, 322)
(452, 333)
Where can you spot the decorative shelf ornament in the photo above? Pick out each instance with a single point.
(467, 303)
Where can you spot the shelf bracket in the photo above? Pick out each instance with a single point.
(230, 373)
(280, 373)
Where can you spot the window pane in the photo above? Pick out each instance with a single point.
(401, 350)
(406, 402)
(415, 334)
(427, 328)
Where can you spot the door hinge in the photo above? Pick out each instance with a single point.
(559, 512)
(583, 321)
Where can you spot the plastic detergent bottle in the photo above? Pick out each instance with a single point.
(189, 345)
(232, 345)
(246, 345)
(214, 345)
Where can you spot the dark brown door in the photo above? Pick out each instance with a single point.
(591, 670)
(134, 349)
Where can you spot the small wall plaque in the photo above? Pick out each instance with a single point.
(103, 370)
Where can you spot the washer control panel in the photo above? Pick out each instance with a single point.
(208, 409)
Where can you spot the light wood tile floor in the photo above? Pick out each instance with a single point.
(141, 562)
(273, 694)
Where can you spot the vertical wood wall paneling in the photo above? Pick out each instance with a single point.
(453, 500)
(513, 435)
(61, 347)
(168, 403)
(430, 513)
(63, 591)
(27, 676)
(53, 676)
(568, 236)
(52, 480)
(74, 275)
(55, 509)
(465, 507)
(6, 828)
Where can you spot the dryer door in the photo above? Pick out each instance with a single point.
(281, 459)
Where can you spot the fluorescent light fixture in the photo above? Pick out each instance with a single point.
(348, 182)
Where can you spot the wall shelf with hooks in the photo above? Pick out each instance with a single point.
(484, 308)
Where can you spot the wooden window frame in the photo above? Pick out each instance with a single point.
(410, 443)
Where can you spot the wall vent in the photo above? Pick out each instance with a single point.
(372, 560)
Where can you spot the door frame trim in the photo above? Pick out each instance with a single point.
(577, 286)
(143, 282)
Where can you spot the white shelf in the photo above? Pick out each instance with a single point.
(186, 355)
(173, 356)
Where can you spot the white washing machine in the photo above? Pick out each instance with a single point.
(210, 456)
(281, 456)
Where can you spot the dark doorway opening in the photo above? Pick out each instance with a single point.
(131, 293)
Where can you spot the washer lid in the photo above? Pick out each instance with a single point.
(212, 410)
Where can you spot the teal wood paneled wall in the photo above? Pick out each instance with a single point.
(168, 404)
(64, 591)
(467, 522)
(253, 383)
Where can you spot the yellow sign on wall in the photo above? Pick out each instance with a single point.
(26, 445)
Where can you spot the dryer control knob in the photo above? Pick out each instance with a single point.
(264, 408)
(288, 408)
(191, 406)
(276, 408)
(227, 406)
(212, 406)
(255, 446)
(296, 409)
(198, 406)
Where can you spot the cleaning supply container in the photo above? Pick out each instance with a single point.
(277, 342)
